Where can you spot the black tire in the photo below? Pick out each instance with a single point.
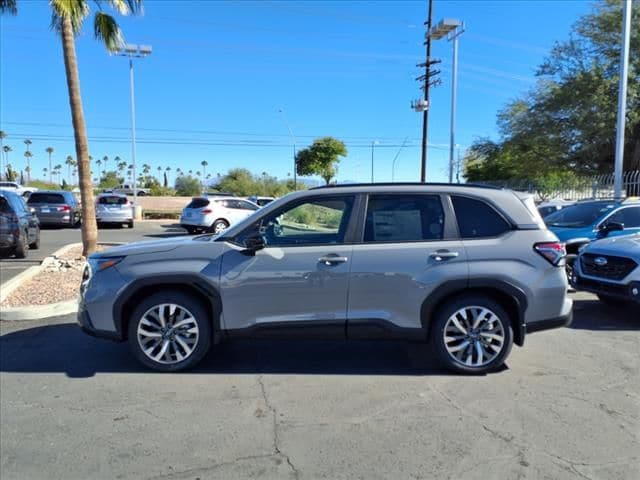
(36, 243)
(612, 301)
(130, 224)
(200, 317)
(219, 224)
(22, 247)
(190, 230)
(439, 323)
(141, 194)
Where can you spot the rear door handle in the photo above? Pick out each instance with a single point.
(332, 259)
(441, 255)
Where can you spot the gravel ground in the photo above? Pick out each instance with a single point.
(58, 282)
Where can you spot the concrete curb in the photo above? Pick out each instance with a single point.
(37, 312)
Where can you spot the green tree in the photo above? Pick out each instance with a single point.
(28, 155)
(110, 180)
(69, 163)
(49, 151)
(187, 186)
(67, 19)
(6, 149)
(321, 158)
(567, 122)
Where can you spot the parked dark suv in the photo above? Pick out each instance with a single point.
(470, 270)
(19, 227)
(56, 207)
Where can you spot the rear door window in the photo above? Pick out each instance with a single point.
(198, 203)
(112, 201)
(404, 218)
(477, 219)
(37, 197)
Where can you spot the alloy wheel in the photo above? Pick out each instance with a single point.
(168, 333)
(474, 336)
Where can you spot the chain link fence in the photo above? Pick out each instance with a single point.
(576, 188)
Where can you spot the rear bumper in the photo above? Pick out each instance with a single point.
(56, 220)
(550, 323)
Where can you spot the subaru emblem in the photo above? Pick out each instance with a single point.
(600, 261)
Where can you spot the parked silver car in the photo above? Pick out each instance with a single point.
(215, 213)
(470, 270)
(114, 209)
(56, 207)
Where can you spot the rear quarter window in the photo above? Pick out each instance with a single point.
(477, 219)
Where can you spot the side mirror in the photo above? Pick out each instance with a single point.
(253, 244)
(611, 227)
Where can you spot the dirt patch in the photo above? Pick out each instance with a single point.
(57, 282)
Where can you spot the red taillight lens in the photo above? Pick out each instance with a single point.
(64, 208)
(206, 210)
(553, 252)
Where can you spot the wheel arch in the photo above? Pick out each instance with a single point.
(190, 284)
(509, 296)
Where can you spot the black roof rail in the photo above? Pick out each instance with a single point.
(407, 184)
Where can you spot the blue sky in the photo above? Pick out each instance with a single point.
(220, 71)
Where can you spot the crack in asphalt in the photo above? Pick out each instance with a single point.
(202, 470)
(276, 442)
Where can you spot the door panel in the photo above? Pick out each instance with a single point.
(389, 282)
(290, 284)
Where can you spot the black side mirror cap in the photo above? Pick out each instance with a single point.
(253, 244)
(611, 227)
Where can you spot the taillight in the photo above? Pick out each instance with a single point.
(206, 210)
(64, 208)
(553, 252)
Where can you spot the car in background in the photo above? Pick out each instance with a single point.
(19, 227)
(260, 201)
(551, 206)
(214, 214)
(590, 220)
(17, 188)
(114, 209)
(56, 207)
(610, 268)
(127, 189)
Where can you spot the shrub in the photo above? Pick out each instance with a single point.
(187, 186)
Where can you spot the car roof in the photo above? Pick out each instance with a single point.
(52, 191)
(217, 197)
(8, 193)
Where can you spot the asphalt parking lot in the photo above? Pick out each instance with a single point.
(566, 407)
(51, 239)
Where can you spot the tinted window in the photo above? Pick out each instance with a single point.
(404, 218)
(242, 205)
(630, 217)
(477, 219)
(198, 203)
(4, 206)
(112, 201)
(580, 215)
(38, 197)
(263, 201)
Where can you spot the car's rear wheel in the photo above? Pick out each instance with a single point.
(219, 226)
(170, 331)
(472, 334)
(35, 245)
(22, 246)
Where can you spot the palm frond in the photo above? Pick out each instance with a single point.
(74, 10)
(8, 6)
(106, 28)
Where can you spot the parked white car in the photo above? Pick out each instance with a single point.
(215, 214)
(17, 188)
(115, 209)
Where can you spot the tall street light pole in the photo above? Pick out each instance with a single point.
(373, 144)
(622, 99)
(452, 29)
(425, 113)
(133, 51)
(293, 140)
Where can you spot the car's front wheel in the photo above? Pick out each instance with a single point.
(472, 334)
(170, 331)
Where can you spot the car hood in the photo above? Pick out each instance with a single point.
(566, 234)
(148, 246)
(626, 245)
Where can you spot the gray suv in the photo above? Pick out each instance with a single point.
(470, 270)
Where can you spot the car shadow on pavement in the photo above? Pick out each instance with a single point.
(595, 315)
(171, 230)
(64, 348)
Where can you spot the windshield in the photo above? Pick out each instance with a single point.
(578, 216)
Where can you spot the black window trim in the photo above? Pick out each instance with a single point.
(349, 236)
(491, 205)
(450, 228)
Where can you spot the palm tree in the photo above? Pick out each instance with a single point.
(69, 163)
(105, 159)
(159, 172)
(28, 156)
(146, 168)
(44, 173)
(6, 149)
(49, 151)
(57, 169)
(98, 162)
(204, 164)
(67, 19)
(28, 143)
(167, 170)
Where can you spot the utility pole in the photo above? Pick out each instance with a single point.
(293, 139)
(373, 144)
(622, 99)
(429, 79)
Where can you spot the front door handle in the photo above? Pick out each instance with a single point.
(332, 259)
(441, 255)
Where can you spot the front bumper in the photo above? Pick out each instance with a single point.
(629, 292)
(84, 321)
